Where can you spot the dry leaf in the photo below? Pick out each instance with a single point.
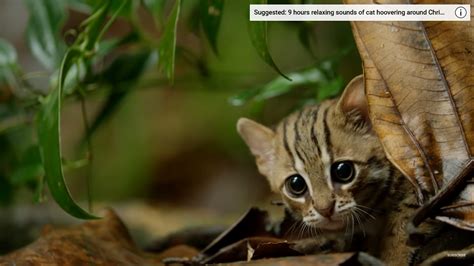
(352, 259)
(254, 222)
(252, 248)
(419, 83)
(100, 242)
(451, 257)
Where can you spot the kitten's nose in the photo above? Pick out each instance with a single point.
(327, 210)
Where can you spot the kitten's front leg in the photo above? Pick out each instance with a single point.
(395, 249)
(324, 243)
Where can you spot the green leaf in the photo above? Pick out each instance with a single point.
(126, 9)
(280, 85)
(259, 37)
(93, 27)
(49, 138)
(330, 89)
(44, 26)
(243, 97)
(167, 46)
(48, 118)
(76, 73)
(211, 13)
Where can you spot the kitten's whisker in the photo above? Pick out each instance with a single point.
(317, 231)
(311, 231)
(352, 226)
(300, 229)
(295, 230)
(288, 232)
(366, 208)
(307, 231)
(292, 229)
(364, 212)
(303, 230)
(360, 208)
(346, 218)
(357, 216)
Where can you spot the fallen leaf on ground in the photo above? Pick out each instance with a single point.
(99, 242)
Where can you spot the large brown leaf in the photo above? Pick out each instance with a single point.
(419, 82)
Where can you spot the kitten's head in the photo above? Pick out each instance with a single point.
(324, 160)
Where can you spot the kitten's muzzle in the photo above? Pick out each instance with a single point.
(326, 211)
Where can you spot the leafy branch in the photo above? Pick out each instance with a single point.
(76, 70)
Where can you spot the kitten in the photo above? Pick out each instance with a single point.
(332, 173)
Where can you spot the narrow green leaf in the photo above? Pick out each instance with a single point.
(244, 96)
(211, 13)
(49, 138)
(44, 25)
(167, 46)
(92, 27)
(280, 86)
(259, 37)
(48, 117)
(74, 77)
(126, 9)
(330, 89)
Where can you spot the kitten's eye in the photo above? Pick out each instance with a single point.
(342, 172)
(296, 185)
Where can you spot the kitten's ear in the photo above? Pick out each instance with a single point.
(353, 102)
(260, 141)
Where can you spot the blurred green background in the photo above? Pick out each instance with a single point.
(171, 146)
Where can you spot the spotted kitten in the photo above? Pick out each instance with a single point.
(332, 173)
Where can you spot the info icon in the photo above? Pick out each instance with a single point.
(460, 12)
